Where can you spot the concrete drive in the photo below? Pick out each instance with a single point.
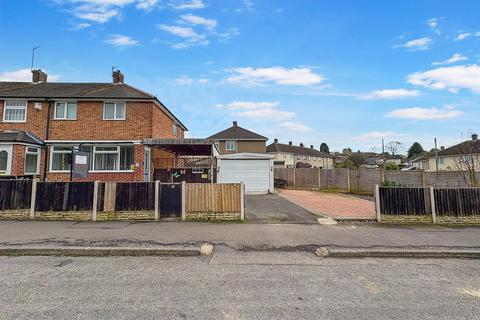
(238, 285)
(332, 205)
(274, 209)
(293, 237)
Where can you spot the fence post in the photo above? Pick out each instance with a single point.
(157, 204)
(184, 199)
(95, 200)
(432, 205)
(33, 198)
(348, 180)
(424, 178)
(377, 203)
(294, 175)
(382, 175)
(319, 179)
(242, 201)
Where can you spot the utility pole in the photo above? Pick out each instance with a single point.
(436, 155)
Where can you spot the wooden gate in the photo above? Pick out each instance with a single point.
(170, 199)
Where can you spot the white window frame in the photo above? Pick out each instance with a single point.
(230, 148)
(115, 103)
(65, 108)
(5, 107)
(52, 151)
(37, 153)
(117, 152)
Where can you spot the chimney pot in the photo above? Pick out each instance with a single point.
(474, 137)
(311, 146)
(235, 123)
(39, 76)
(442, 148)
(275, 140)
(301, 144)
(289, 143)
(117, 76)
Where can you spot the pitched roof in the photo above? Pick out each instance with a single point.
(237, 133)
(20, 136)
(71, 90)
(280, 147)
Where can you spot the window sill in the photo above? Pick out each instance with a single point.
(6, 121)
(114, 119)
(59, 119)
(111, 171)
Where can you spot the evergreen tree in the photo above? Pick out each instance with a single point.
(324, 148)
(415, 150)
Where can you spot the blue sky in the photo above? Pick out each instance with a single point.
(347, 73)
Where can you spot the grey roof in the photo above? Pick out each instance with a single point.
(280, 147)
(20, 136)
(237, 133)
(71, 90)
(463, 148)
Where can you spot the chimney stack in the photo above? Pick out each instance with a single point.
(474, 137)
(311, 146)
(235, 123)
(301, 144)
(442, 148)
(289, 143)
(275, 140)
(39, 76)
(117, 76)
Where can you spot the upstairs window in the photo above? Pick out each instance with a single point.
(15, 111)
(66, 111)
(174, 129)
(114, 111)
(231, 145)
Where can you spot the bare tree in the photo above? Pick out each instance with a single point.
(394, 147)
(468, 162)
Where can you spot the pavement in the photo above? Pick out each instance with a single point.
(272, 208)
(238, 236)
(238, 285)
(333, 205)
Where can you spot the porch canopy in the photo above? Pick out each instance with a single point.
(184, 147)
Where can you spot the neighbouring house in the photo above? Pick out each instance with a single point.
(290, 156)
(462, 156)
(238, 140)
(44, 123)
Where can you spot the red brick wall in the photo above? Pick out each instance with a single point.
(162, 125)
(18, 160)
(36, 120)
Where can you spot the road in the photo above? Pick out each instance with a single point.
(238, 285)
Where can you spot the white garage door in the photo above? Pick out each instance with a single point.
(254, 173)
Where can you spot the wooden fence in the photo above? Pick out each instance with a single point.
(30, 199)
(427, 204)
(363, 181)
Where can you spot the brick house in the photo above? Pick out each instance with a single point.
(290, 156)
(237, 140)
(43, 123)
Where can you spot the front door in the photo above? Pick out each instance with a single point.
(5, 160)
(147, 164)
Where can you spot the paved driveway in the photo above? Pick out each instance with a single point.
(274, 209)
(333, 205)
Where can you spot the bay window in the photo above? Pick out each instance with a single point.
(15, 111)
(65, 111)
(32, 163)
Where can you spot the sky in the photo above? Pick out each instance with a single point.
(347, 73)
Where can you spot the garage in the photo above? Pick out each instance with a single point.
(254, 169)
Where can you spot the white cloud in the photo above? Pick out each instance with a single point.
(188, 5)
(463, 36)
(450, 78)
(122, 41)
(277, 75)
(250, 105)
(375, 135)
(24, 75)
(416, 44)
(192, 37)
(293, 127)
(433, 24)
(268, 113)
(186, 80)
(455, 58)
(197, 20)
(417, 113)
(390, 94)
(146, 5)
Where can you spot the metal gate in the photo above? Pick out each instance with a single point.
(170, 200)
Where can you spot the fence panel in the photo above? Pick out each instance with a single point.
(405, 178)
(404, 201)
(447, 179)
(334, 179)
(223, 197)
(306, 177)
(364, 180)
(458, 202)
(64, 196)
(15, 194)
(135, 196)
(284, 174)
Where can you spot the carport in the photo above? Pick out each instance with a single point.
(254, 169)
